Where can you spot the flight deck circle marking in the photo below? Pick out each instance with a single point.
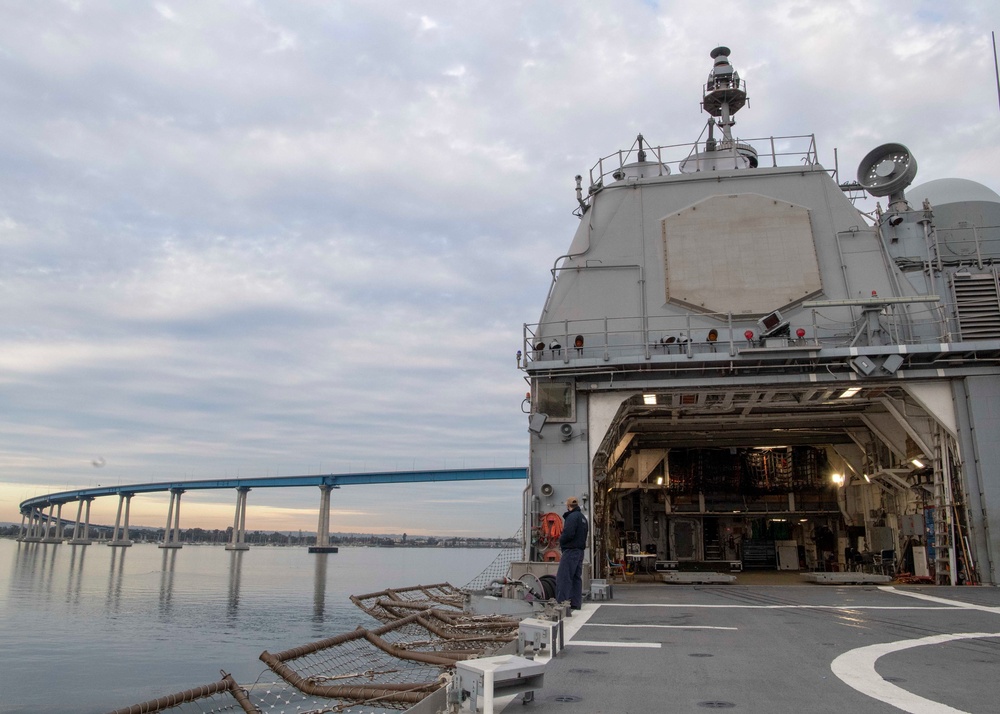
(856, 668)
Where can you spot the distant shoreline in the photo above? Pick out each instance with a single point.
(199, 536)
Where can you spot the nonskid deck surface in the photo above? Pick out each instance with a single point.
(773, 648)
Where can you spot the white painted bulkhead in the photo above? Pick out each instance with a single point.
(718, 347)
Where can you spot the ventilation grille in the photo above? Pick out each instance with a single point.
(978, 306)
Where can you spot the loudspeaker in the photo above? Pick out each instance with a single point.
(892, 363)
(863, 365)
(547, 489)
(566, 429)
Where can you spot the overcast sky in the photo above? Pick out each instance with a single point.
(276, 238)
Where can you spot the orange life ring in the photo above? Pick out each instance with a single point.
(550, 529)
(551, 556)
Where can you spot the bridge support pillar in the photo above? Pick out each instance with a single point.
(34, 527)
(23, 532)
(81, 536)
(119, 538)
(238, 541)
(53, 525)
(172, 536)
(323, 527)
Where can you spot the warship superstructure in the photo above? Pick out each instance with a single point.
(736, 367)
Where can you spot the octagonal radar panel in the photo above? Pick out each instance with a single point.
(887, 170)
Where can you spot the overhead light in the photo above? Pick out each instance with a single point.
(659, 480)
(849, 392)
(837, 478)
(867, 478)
(917, 462)
(649, 399)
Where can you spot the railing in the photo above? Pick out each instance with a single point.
(979, 244)
(775, 150)
(610, 338)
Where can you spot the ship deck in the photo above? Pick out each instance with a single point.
(773, 643)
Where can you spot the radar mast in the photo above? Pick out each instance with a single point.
(724, 93)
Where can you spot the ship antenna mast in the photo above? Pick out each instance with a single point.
(996, 69)
(724, 93)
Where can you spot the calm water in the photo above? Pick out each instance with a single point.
(91, 628)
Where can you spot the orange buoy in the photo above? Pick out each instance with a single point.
(551, 556)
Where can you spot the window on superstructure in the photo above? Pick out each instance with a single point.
(556, 399)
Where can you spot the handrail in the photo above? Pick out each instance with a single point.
(602, 338)
(768, 147)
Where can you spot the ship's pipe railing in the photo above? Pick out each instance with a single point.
(607, 338)
(779, 150)
(976, 245)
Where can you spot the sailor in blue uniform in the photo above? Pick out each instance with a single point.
(573, 542)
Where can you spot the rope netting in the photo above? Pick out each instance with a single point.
(500, 567)
(386, 669)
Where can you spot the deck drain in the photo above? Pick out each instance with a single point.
(716, 705)
(564, 698)
(700, 654)
(596, 652)
(893, 679)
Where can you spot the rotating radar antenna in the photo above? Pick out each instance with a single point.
(887, 170)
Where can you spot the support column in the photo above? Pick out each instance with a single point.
(323, 527)
(76, 523)
(81, 536)
(50, 532)
(119, 538)
(52, 525)
(23, 533)
(239, 537)
(33, 527)
(172, 536)
(86, 521)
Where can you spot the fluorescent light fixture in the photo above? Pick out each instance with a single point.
(867, 478)
(649, 399)
(659, 480)
(917, 462)
(849, 392)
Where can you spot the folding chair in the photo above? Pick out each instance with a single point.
(615, 570)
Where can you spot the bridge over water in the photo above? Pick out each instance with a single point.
(41, 516)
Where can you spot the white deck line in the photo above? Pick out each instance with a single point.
(856, 668)
(633, 645)
(933, 598)
(665, 627)
(953, 606)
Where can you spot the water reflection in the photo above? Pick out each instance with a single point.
(235, 575)
(167, 580)
(116, 574)
(34, 569)
(319, 588)
(157, 622)
(74, 582)
(49, 565)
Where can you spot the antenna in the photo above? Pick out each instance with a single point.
(996, 70)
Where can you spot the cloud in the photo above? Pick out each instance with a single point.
(257, 239)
